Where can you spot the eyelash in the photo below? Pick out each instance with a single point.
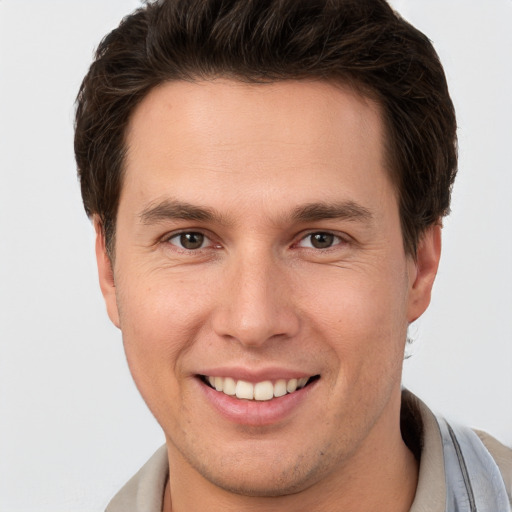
(336, 241)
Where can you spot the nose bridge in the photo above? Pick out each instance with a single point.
(254, 306)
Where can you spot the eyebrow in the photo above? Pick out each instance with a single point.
(169, 209)
(348, 210)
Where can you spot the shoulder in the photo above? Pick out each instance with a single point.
(502, 455)
(457, 463)
(144, 491)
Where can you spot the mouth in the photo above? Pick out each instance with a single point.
(258, 391)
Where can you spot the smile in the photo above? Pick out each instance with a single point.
(259, 391)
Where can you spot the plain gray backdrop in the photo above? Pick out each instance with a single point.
(73, 428)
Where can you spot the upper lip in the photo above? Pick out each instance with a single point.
(252, 375)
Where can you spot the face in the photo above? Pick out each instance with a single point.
(260, 280)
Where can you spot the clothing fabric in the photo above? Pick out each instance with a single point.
(479, 468)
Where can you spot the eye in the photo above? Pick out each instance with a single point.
(190, 240)
(320, 240)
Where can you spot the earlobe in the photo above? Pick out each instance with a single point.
(425, 270)
(105, 273)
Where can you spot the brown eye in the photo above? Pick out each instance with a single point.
(190, 240)
(322, 240)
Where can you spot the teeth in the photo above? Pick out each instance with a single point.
(219, 383)
(229, 386)
(265, 390)
(291, 385)
(302, 382)
(244, 390)
(280, 388)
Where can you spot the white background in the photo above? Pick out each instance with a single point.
(72, 426)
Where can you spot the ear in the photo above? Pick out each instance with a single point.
(105, 273)
(424, 270)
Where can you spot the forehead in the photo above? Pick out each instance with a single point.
(287, 110)
(201, 139)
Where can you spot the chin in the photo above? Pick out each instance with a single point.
(268, 485)
(265, 476)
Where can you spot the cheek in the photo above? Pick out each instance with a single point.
(359, 305)
(159, 321)
(158, 304)
(364, 322)
(160, 325)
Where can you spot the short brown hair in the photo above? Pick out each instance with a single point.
(360, 42)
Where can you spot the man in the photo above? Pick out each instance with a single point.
(267, 182)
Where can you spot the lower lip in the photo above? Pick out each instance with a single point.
(255, 412)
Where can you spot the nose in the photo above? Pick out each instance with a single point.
(255, 304)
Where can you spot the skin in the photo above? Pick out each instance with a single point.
(257, 294)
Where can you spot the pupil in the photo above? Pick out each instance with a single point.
(322, 240)
(191, 240)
